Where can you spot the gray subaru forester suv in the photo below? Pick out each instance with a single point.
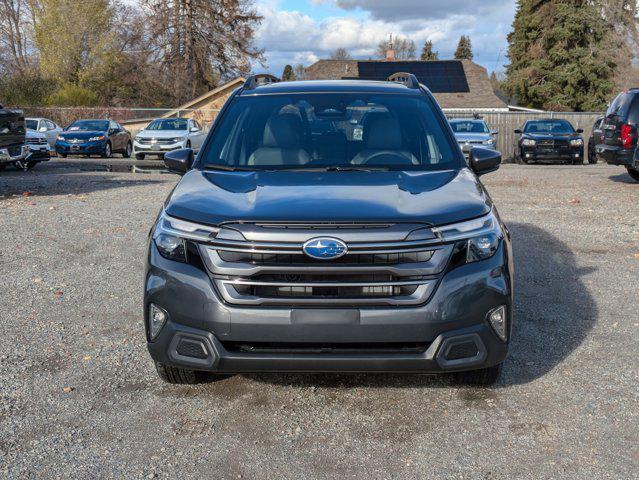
(329, 226)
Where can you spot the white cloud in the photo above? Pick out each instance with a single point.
(290, 36)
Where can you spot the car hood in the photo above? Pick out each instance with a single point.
(34, 134)
(431, 197)
(551, 136)
(472, 137)
(81, 135)
(162, 133)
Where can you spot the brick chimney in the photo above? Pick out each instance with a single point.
(390, 52)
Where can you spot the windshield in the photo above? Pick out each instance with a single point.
(89, 126)
(549, 126)
(469, 126)
(168, 124)
(32, 124)
(327, 130)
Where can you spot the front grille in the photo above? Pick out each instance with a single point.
(326, 348)
(382, 272)
(157, 141)
(37, 141)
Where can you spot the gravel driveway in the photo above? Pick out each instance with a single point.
(79, 397)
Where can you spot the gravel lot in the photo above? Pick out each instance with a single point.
(79, 397)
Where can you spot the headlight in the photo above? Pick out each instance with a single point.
(96, 139)
(490, 141)
(61, 138)
(179, 139)
(171, 233)
(528, 142)
(577, 142)
(481, 236)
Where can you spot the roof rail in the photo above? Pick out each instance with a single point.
(259, 79)
(407, 79)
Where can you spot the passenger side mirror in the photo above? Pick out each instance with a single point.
(580, 130)
(518, 132)
(494, 132)
(179, 161)
(484, 160)
(194, 129)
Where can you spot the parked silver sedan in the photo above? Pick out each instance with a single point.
(165, 134)
(473, 132)
(45, 126)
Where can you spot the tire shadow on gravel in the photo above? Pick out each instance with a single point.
(553, 314)
(61, 182)
(622, 178)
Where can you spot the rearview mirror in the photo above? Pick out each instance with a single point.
(580, 130)
(484, 160)
(518, 131)
(179, 161)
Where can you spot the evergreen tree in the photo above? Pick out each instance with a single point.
(464, 49)
(288, 74)
(558, 56)
(428, 53)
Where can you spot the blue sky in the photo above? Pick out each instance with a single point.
(303, 31)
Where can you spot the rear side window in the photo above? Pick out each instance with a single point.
(633, 111)
(616, 105)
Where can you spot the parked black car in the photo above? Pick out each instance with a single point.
(596, 137)
(12, 137)
(549, 140)
(281, 250)
(94, 137)
(619, 141)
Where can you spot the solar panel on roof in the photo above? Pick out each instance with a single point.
(440, 77)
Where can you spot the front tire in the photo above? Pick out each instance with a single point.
(107, 151)
(592, 156)
(127, 151)
(482, 377)
(633, 173)
(177, 375)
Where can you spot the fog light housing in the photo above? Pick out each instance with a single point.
(157, 319)
(497, 320)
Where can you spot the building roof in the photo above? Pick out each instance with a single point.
(475, 93)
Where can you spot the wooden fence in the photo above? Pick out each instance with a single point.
(507, 122)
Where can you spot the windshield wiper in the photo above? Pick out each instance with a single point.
(227, 168)
(341, 168)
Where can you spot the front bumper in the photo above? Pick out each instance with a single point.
(86, 148)
(41, 154)
(456, 313)
(155, 149)
(14, 154)
(552, 154)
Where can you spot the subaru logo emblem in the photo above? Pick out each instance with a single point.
(325, 248)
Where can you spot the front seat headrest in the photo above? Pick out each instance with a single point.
(382, 132)
(283, 131)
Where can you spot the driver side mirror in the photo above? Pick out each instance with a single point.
(518, 131)
(484, 160)
(494, 132)
(194, 129)
(580, 130)
(179, 161)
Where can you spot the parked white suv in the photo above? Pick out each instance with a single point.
(165, 134)
(49, 129)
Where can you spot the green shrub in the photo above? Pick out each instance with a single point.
(70, 95)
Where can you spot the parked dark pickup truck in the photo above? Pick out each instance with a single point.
(12, 137)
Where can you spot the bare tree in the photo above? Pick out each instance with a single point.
(299, 71)
(15, 34)
(341, 54)
(404, 48)
(202, 41)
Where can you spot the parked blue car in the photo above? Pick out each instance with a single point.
(94, 137)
